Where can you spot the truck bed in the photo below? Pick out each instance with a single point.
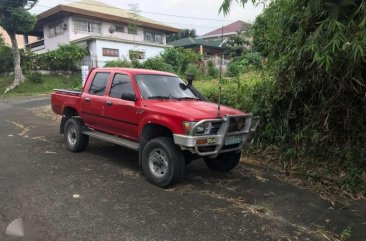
(62, 99)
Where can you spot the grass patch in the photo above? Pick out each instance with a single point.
(49, 82)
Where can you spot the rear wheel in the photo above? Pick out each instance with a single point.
(223, 162)
(162, 162)
(75, 140)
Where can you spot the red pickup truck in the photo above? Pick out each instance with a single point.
(157, 114)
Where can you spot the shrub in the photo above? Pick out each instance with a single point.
(157, 63)
(212, 71)
(180, 58)
(66, 57)
(6, 58)
(35, 77)
(234, 69)
(193, 70)
(241, 64)
(118, 63)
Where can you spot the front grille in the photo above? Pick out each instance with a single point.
(215, 128)
(236, 124)
(210, 128)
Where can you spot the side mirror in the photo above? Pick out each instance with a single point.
(190, 78)
(128, 96)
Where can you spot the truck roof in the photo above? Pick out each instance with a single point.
(135, 71)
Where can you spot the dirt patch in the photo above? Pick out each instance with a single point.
(46, 112)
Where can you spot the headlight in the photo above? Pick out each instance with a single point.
(201, 129)
(187, 126)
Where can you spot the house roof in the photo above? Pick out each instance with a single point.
(191, 42)
(228, 29)
(102, 11)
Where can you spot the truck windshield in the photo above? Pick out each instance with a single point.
(163, 87)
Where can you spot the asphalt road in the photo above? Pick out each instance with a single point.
(101, 194)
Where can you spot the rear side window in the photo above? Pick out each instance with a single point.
(99, 83)
(121, 85)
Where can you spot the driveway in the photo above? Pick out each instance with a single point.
(101, 194)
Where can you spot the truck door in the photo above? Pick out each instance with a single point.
(120, 109)
(93, 101)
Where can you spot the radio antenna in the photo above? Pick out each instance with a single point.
(220, 77)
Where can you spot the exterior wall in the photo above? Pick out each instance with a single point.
(96, 49)
(139, 37)
(52, 43)
(20, 39)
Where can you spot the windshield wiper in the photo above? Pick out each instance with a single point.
(188, 98)
(159, 97)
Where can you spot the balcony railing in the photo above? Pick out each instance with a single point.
(35, 46)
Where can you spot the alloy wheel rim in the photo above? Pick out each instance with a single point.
(158, 162)
(71, 135)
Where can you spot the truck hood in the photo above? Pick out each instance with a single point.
(190, 109)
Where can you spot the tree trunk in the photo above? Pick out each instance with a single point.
(18, 74)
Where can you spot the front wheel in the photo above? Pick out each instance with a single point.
(75, 140)
(162, 162)
(223, 162)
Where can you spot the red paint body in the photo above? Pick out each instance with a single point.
(127, 118)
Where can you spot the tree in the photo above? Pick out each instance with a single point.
(15, 19)
(185, 33)
(237, 44)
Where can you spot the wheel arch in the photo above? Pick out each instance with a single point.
(67, 113)
(151, 131)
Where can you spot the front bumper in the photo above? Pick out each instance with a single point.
(215, 144)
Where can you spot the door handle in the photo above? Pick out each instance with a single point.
(87, 99)
(108, 103)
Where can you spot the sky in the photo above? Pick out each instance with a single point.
(201, 15)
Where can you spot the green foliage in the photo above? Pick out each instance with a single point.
(15, 18)
(193, 70)
(35, 77)
(157, 63)
(212, 71)
(238, 44)
(6, 57)
(179, 58)
(185, 33)
(316, 52)
(243, 63)
(118, 63)
(346, 234)
(66, 57)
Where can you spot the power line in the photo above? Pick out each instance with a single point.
(163, 14)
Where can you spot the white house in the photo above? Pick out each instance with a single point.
(108, 32)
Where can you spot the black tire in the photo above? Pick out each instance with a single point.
(167, 172)
(223, 162)
(74, 139)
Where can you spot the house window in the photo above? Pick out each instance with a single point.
(87, 26)
(153, 37)
(135, 54)
(110, 52)
(56, 30)
(120, 29)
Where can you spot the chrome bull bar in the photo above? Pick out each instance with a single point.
(217, 142)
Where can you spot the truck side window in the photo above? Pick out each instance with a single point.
(99, 83)
(121, 86)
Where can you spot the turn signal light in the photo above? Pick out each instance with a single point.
(201, 141)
